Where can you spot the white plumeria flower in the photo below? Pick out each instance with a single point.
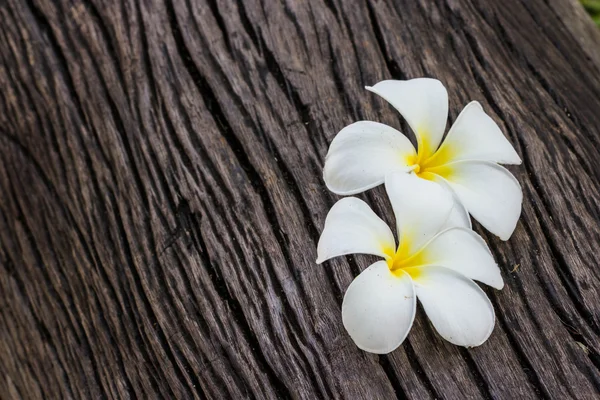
(363, 153)
(432, 262)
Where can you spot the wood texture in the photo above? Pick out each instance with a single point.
(161, 196)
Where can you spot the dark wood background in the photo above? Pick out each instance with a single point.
(161, 196)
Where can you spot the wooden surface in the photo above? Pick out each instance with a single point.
(161, 196)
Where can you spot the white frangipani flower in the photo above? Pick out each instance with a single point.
(432, 262)
(363, 153)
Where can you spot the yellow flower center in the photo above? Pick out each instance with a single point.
(427, 166)
(400, 259)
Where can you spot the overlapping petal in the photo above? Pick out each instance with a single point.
(421, 209)
(351, 227)
(459, 216)
(379, 309)
(474, 136)
(362, 154)
(463, 251)
(490, 193)
(458, 309)
(423, 103)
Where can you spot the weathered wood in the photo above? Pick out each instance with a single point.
(161, 196)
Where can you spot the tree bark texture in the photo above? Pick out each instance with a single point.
(161, 196)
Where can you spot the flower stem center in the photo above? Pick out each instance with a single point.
(398, 257)
(401, 262)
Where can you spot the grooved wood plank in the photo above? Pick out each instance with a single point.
(162, 196)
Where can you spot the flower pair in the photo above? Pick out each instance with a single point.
(432, 190)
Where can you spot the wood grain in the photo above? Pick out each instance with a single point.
(161, 196)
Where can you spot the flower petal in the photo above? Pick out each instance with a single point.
(379, 309)
(421, 208)
(464, 251)
(352, 227)
(423, 103)
(459, 216)
(362, 153)
(458, 309)
(490, 193)
(475, 136)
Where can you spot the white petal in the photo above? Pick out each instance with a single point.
(423, 103)
(362, 153)
(464, 251)
(490, 193)
(421, 207)
(379, 309)
(352, 227)
(475, 136)
(459, 217)
(458, 309)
